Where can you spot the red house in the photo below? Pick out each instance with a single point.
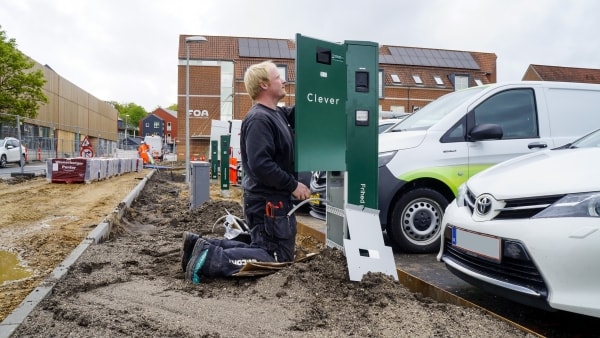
(170, 124)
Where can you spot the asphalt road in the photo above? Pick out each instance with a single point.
(35, 168)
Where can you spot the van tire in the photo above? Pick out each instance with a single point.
(416, 221)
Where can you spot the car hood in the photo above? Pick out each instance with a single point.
(397, 140)
(541, 173)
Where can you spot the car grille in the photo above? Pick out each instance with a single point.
(518, 207)
(513, 271)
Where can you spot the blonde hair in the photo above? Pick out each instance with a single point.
(255, 75)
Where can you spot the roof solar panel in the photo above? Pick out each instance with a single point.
(432, 57)
(264, 48)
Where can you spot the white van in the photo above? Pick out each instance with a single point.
(426, 157)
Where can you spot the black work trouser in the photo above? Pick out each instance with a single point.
(273, 239)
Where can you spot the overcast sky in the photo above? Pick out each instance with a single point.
(126, 50)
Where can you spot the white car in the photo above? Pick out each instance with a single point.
(11, 151)
(528, 229)
(386, 124)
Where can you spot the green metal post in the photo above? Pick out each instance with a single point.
(225, 165)
(214, 159)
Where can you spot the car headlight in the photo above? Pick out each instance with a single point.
(385, 157)
(460, 195)
(574, 205)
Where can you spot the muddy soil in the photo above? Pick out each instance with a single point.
(132, 286)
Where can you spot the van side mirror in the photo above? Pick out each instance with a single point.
(487, 131)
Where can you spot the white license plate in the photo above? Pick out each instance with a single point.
(480, 244)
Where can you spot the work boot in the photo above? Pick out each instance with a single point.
(189, 240)
(196, 262)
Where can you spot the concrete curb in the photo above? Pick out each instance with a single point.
(98, 235)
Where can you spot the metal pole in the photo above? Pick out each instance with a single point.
(187, 113)
(187, 103)
(22, 160)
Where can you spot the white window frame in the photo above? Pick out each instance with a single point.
(417, 79)
(381, 93)
(461, 82)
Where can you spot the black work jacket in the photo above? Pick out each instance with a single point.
(267, 147)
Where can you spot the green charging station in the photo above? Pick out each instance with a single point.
(225, 139)
(337, 112)
(214, 160)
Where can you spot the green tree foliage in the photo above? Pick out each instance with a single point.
(20, 86)
(173, 107)
(134, 113)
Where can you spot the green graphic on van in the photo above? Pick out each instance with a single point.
(451, 176)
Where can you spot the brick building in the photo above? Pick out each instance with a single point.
(562, 74)
(409, 78)
(160, 122)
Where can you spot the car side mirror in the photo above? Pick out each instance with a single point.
(486, 131)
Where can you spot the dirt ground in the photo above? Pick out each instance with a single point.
(132, 284)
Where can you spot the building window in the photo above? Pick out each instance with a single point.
(227, 90)
(417, 79)
(396, 78)
(397, 109)
(282, 70)
(156, 125)
(438, 80)
(168, 126)
(461, 82)
(478, 82)
(381, 83)
(147, 124)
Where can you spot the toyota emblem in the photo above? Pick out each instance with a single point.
(483, 205)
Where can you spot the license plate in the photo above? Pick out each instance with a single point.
(315, 202)
(479, 244)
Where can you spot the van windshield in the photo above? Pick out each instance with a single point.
(434, 111)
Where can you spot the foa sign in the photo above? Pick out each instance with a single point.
(198, 113)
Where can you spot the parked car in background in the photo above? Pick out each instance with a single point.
(528, 229)
(386, 124)
(11, 151)
(318, 188)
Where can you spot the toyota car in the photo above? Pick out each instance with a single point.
(528, 229)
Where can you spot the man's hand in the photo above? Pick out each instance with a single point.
(301, 192)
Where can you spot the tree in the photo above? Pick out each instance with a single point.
(173, 107)
(134, 113)
(20, 86)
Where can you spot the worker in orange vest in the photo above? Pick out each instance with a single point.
(143, 151)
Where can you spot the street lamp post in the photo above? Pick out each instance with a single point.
(188, 40)
(126, 116)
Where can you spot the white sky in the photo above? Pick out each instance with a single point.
(126, 50)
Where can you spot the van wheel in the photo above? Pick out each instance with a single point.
(3, 161)
(417, 220)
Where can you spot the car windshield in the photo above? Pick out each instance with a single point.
(591, 140)
(436, 110)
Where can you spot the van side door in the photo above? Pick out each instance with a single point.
(515, 112)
